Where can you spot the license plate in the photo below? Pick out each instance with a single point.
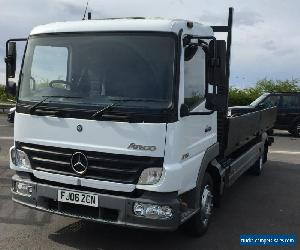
(78, 198)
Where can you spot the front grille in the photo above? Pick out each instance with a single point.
(106, 214)
(101, 166)
(79, 210)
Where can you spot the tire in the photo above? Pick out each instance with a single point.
(297, 129)
(291, 131)
(266, 151)
(256, 169)
(199, 223)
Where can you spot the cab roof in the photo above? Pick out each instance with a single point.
(122, 24)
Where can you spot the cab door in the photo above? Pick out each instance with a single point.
(200, 130)
(194, 133)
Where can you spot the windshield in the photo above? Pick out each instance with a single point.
(135, 69)
(258, 100)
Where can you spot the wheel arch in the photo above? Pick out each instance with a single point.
(294, 122)
(191, 197)
(215, 171)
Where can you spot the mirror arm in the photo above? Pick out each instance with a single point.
(14, 40)
(187, 41)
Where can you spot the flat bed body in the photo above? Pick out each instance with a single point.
(244, 128)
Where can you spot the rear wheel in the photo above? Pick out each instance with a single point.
(198, 224)
(266, 151)
(297, 129)
(257, 167)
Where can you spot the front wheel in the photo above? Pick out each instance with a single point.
(198, 224)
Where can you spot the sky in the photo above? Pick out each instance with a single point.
(266, 36)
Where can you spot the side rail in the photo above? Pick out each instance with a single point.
(242, 129)
(268, 118)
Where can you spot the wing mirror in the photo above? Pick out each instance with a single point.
(216, 76)
(261, 105)
(11, 62)
(11, 59)
(216, 63)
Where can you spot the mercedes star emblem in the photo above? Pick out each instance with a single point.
(79, 163)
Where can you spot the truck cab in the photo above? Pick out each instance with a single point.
(124, 121)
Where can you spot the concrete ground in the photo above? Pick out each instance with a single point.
(266, 204)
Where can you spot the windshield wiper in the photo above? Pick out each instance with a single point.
(34, 107)
(109, 106)
(102, 110)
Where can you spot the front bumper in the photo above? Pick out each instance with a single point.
(113, 209)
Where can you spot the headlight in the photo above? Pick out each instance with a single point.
(152, 211)
(23, 188)
(20, 158)
(150, 176)
(13, 156)
(229, 112)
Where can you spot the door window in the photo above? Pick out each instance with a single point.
(290, 101)
(271, 101)
(194, 77)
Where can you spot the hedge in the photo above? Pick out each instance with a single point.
(246, 96)
(4, 97)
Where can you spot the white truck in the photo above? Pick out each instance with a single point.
(124, 121)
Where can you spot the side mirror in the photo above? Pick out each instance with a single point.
(11, 59)
(216, 76)
(216, 63)
(11, 88)
(261, 105)
(184, 110)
